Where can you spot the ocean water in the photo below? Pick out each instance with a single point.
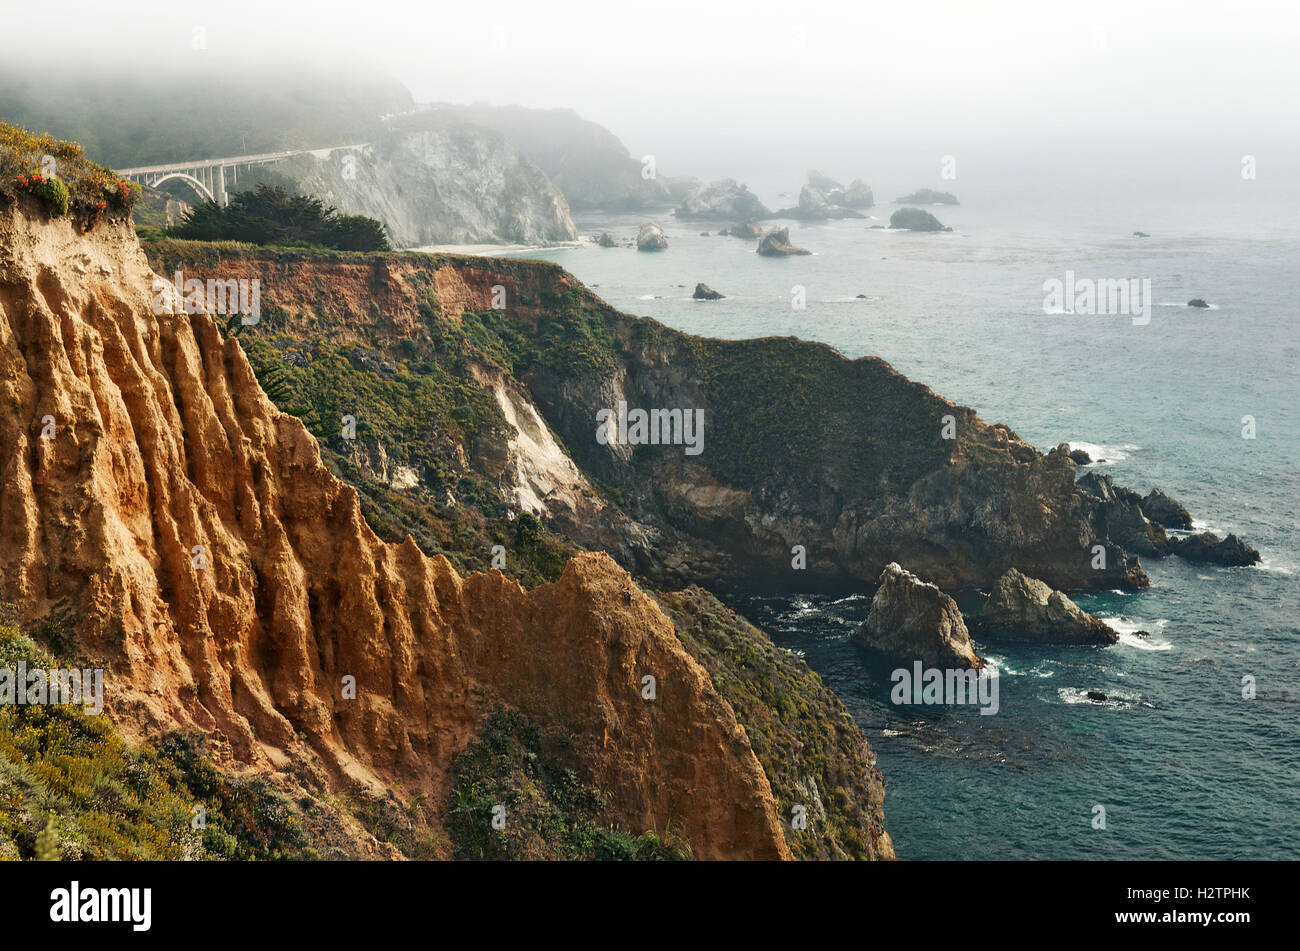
(1183, 765)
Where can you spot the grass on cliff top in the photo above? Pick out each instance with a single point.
(167, 252)
(59, 174)
(419, 414)
(779, 404)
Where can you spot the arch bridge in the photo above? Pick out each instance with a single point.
(208, 177)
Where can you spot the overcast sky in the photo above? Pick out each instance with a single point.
(705, 81)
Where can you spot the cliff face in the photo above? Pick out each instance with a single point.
(813, 752)
(585, 160)
(801, 447)
(446, 183)
(231, 583)
(849, 459)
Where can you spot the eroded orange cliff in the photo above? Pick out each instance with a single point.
(232, 584)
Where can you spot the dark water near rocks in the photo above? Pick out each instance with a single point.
(1183, 765)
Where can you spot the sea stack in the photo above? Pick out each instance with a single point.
(914, 219)
(913, 620)
(1208, 548)
(651, 237)
(776, 243)
(1026, 609)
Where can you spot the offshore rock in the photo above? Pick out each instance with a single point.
(651, 237)
(912, 620)
(1024, 609)
(725, 200)
(776, 243)
(1207, 547)
(914, 219)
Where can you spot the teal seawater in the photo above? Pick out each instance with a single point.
(1184, 766)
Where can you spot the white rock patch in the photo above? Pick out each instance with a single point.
(541, 475)
(404, 477)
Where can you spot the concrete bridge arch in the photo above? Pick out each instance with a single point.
(193, 182)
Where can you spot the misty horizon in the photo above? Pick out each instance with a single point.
(1016, 94)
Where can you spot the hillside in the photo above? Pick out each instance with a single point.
(445, 182)
(586, 161)
(164, 444)
(801, 446)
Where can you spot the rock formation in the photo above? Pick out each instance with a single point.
(724, 200)
(749, 229)
(447, 183)
(651, 237)
(1120, 515)
(914, 219)
(857, 195)
(1024, 609)
(816, 205)
(776, 243)
(912, 620)
(812, 204)
(1163, 510)
(837, 197)
(824, 199)
(823, 183)
(704, 292)
(1197, 302)
(1209, 548)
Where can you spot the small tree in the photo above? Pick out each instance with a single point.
(357, 233)
(272, 215)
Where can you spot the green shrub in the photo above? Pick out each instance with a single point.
(269, 215)
(549, 812)
(58, 629)
(55, 195)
